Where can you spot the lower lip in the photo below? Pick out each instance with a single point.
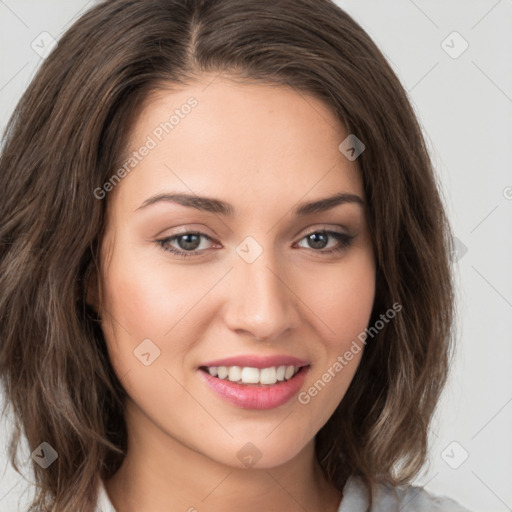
(251, 396)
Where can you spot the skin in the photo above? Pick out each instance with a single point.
(262, 148)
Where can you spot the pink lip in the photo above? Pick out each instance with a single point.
(252, 361)
(253, 396)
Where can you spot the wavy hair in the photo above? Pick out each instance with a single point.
(65, 139)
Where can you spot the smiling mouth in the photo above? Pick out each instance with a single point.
(254, 376)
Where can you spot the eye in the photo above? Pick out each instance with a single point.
(320, 239)
(189, 243)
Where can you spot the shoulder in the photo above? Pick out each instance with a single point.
(387, 498)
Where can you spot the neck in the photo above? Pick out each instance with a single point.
(163, 475)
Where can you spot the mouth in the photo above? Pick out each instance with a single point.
(255, 384)
(247, 375)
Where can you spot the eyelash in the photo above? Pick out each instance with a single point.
(343, 239)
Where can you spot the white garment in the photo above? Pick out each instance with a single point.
(355, 499)
(387, 498)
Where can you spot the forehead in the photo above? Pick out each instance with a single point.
(235, 140)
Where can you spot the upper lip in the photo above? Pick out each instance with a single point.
(253, 361)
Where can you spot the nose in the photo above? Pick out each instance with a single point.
(261, 302)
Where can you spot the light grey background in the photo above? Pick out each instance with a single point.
(465, 107)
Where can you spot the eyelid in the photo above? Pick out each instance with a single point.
(185, 229)
(324, 227)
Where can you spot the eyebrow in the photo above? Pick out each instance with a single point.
(212, 205)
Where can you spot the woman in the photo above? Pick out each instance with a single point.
(224, 266)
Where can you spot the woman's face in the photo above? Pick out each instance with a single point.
(262, 285)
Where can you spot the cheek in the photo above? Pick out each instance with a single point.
(343, 304)
(146, 326)
(344, 301)
(145, 299)
(137, 307)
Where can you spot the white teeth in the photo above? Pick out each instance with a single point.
(268, 376)
(222, 372)
(290, 370)
(234, 373)
(248, 375)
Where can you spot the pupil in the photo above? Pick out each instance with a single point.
(189, 244)
(319, 240)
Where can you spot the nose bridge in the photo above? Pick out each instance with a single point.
(261, 301)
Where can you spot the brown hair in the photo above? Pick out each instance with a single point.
(64, 141)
